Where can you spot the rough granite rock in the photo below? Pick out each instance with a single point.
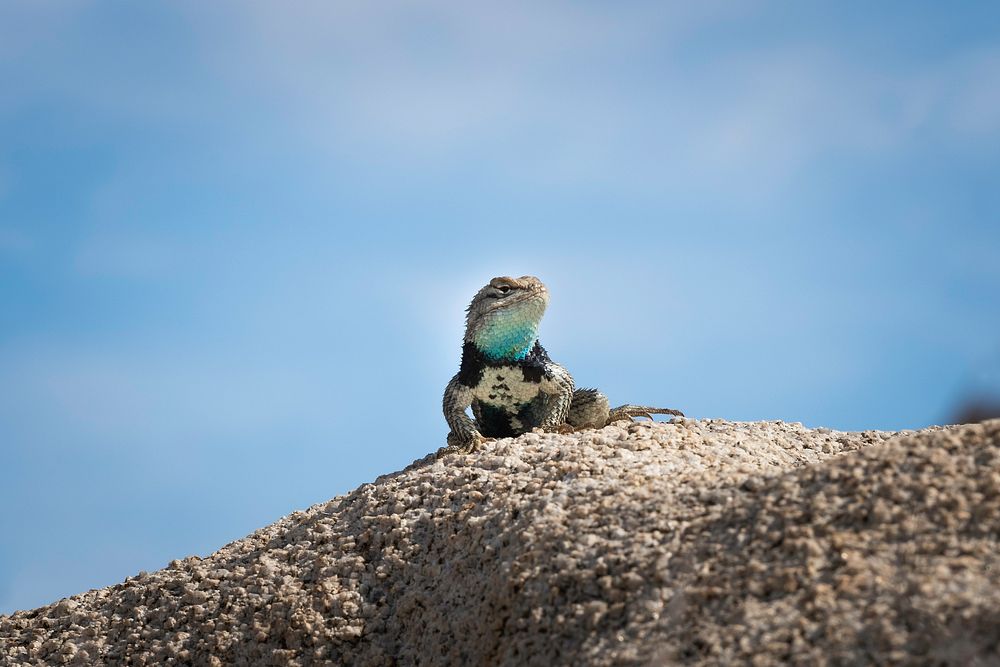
(697, 541)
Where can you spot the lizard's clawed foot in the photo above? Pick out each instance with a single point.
(629, 411)
(558, 428)
(465, 446)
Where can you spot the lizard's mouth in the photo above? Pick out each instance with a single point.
(520, 300)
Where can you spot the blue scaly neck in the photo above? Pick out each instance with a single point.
(507, 343)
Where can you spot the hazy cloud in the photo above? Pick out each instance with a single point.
(976, 95)
(551, 93)
(12, 240)
(559, 93)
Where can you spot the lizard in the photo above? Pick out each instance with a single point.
(508, 379)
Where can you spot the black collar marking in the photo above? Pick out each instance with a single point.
(474, 363)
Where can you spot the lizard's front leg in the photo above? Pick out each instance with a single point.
(557, 385)
(464, 435)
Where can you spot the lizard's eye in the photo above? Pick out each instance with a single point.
(504, 289)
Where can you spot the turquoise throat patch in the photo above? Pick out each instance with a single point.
(505, 340)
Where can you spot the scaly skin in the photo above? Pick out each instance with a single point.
(508, 379)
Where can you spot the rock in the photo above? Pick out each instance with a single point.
(702, 542)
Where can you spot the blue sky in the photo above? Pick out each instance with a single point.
(237, 239)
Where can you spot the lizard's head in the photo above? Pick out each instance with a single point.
(504, 315)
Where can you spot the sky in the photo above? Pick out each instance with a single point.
(237, 239)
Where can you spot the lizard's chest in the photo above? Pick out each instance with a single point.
(506, 387)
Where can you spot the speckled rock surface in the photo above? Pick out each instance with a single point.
(691, 542)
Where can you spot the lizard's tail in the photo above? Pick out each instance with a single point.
(629, 411)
